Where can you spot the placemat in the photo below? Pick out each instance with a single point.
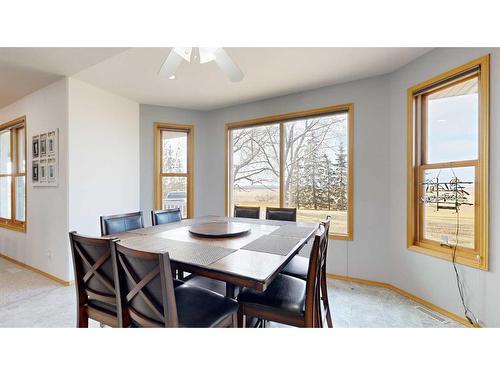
(272, 244)
(295, 231)
(186, 252)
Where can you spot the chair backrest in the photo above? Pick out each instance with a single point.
(246, 211)
(284, 214)
(146, 296)
(166, 216)
(317, 263)
(112, 224)
(94, 278)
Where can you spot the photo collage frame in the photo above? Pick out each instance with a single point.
(45, 161)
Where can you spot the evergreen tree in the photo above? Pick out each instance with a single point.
(340, 179)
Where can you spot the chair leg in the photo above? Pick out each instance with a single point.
(241, 318)
(82, 319)
(235, 320)
(324, 297)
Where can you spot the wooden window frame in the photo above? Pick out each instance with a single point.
(417, 164)
(13, 224)
(281, 119)
(189, 130)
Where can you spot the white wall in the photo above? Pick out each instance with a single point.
(428, 277)
(45, 243)
(104, 156)
(151, 114)
(368, 250)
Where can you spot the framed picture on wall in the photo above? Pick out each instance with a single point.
(34, 171)
(45, 159)
(51, 143)
(51, 169)
(36, 146)
(43, 145)
(43, 170)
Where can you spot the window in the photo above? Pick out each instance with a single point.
(448, 165)
(13, 175)
(174, 167)
(301, 160)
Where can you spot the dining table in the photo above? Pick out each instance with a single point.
(238, 251)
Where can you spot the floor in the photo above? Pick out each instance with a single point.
(28, 299)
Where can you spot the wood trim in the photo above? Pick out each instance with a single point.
(190, 130)
(13, 224)
(478, 258)
(266, 120)
(405, 294)
(279, 119)
(31, 268)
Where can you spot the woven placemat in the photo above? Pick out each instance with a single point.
(187, 252)
(272, 244)
(295, 231)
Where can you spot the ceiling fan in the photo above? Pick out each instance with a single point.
(206, 54)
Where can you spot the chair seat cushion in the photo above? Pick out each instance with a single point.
(198, 308)
(297, 267)
(286, 293)
(207, 283)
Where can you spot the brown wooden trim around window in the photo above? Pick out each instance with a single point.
(12, 223)
(416, 162)
(158, 173)
(280, 119)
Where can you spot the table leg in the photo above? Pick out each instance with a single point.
(230, 290)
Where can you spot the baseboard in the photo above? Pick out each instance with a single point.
(43, 273)
(406, 294)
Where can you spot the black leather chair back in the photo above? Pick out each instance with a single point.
(284, 214)
(317, 263)
(112, 224)
(94, 277)
(166, 216)
(146, 296)
(248, 212)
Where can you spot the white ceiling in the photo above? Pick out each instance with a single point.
(133, 73)
(25, 70)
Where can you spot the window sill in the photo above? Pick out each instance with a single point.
(466, 258)
(15, 227)
(340, 237)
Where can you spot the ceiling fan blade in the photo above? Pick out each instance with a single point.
(227, 65)
(171, 64)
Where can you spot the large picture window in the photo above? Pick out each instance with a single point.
(13, 175)
(174, 167)
(448, 165)
(301, 160)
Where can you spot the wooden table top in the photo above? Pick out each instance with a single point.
(254, 268)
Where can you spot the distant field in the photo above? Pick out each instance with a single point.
(267, 198)
(444, 222)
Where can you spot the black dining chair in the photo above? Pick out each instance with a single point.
(283, 214)
(112, 224)
(298, 267)
(147, 296)
(94, 280)
(289, 300)
(170, 215)
(247, 212)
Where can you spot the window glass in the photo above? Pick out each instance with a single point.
(5, 197)
(5, 163)
(174, 146)
(452, 123)
(174, 191)
(255, 166)
(448, 206)
(316, 169)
